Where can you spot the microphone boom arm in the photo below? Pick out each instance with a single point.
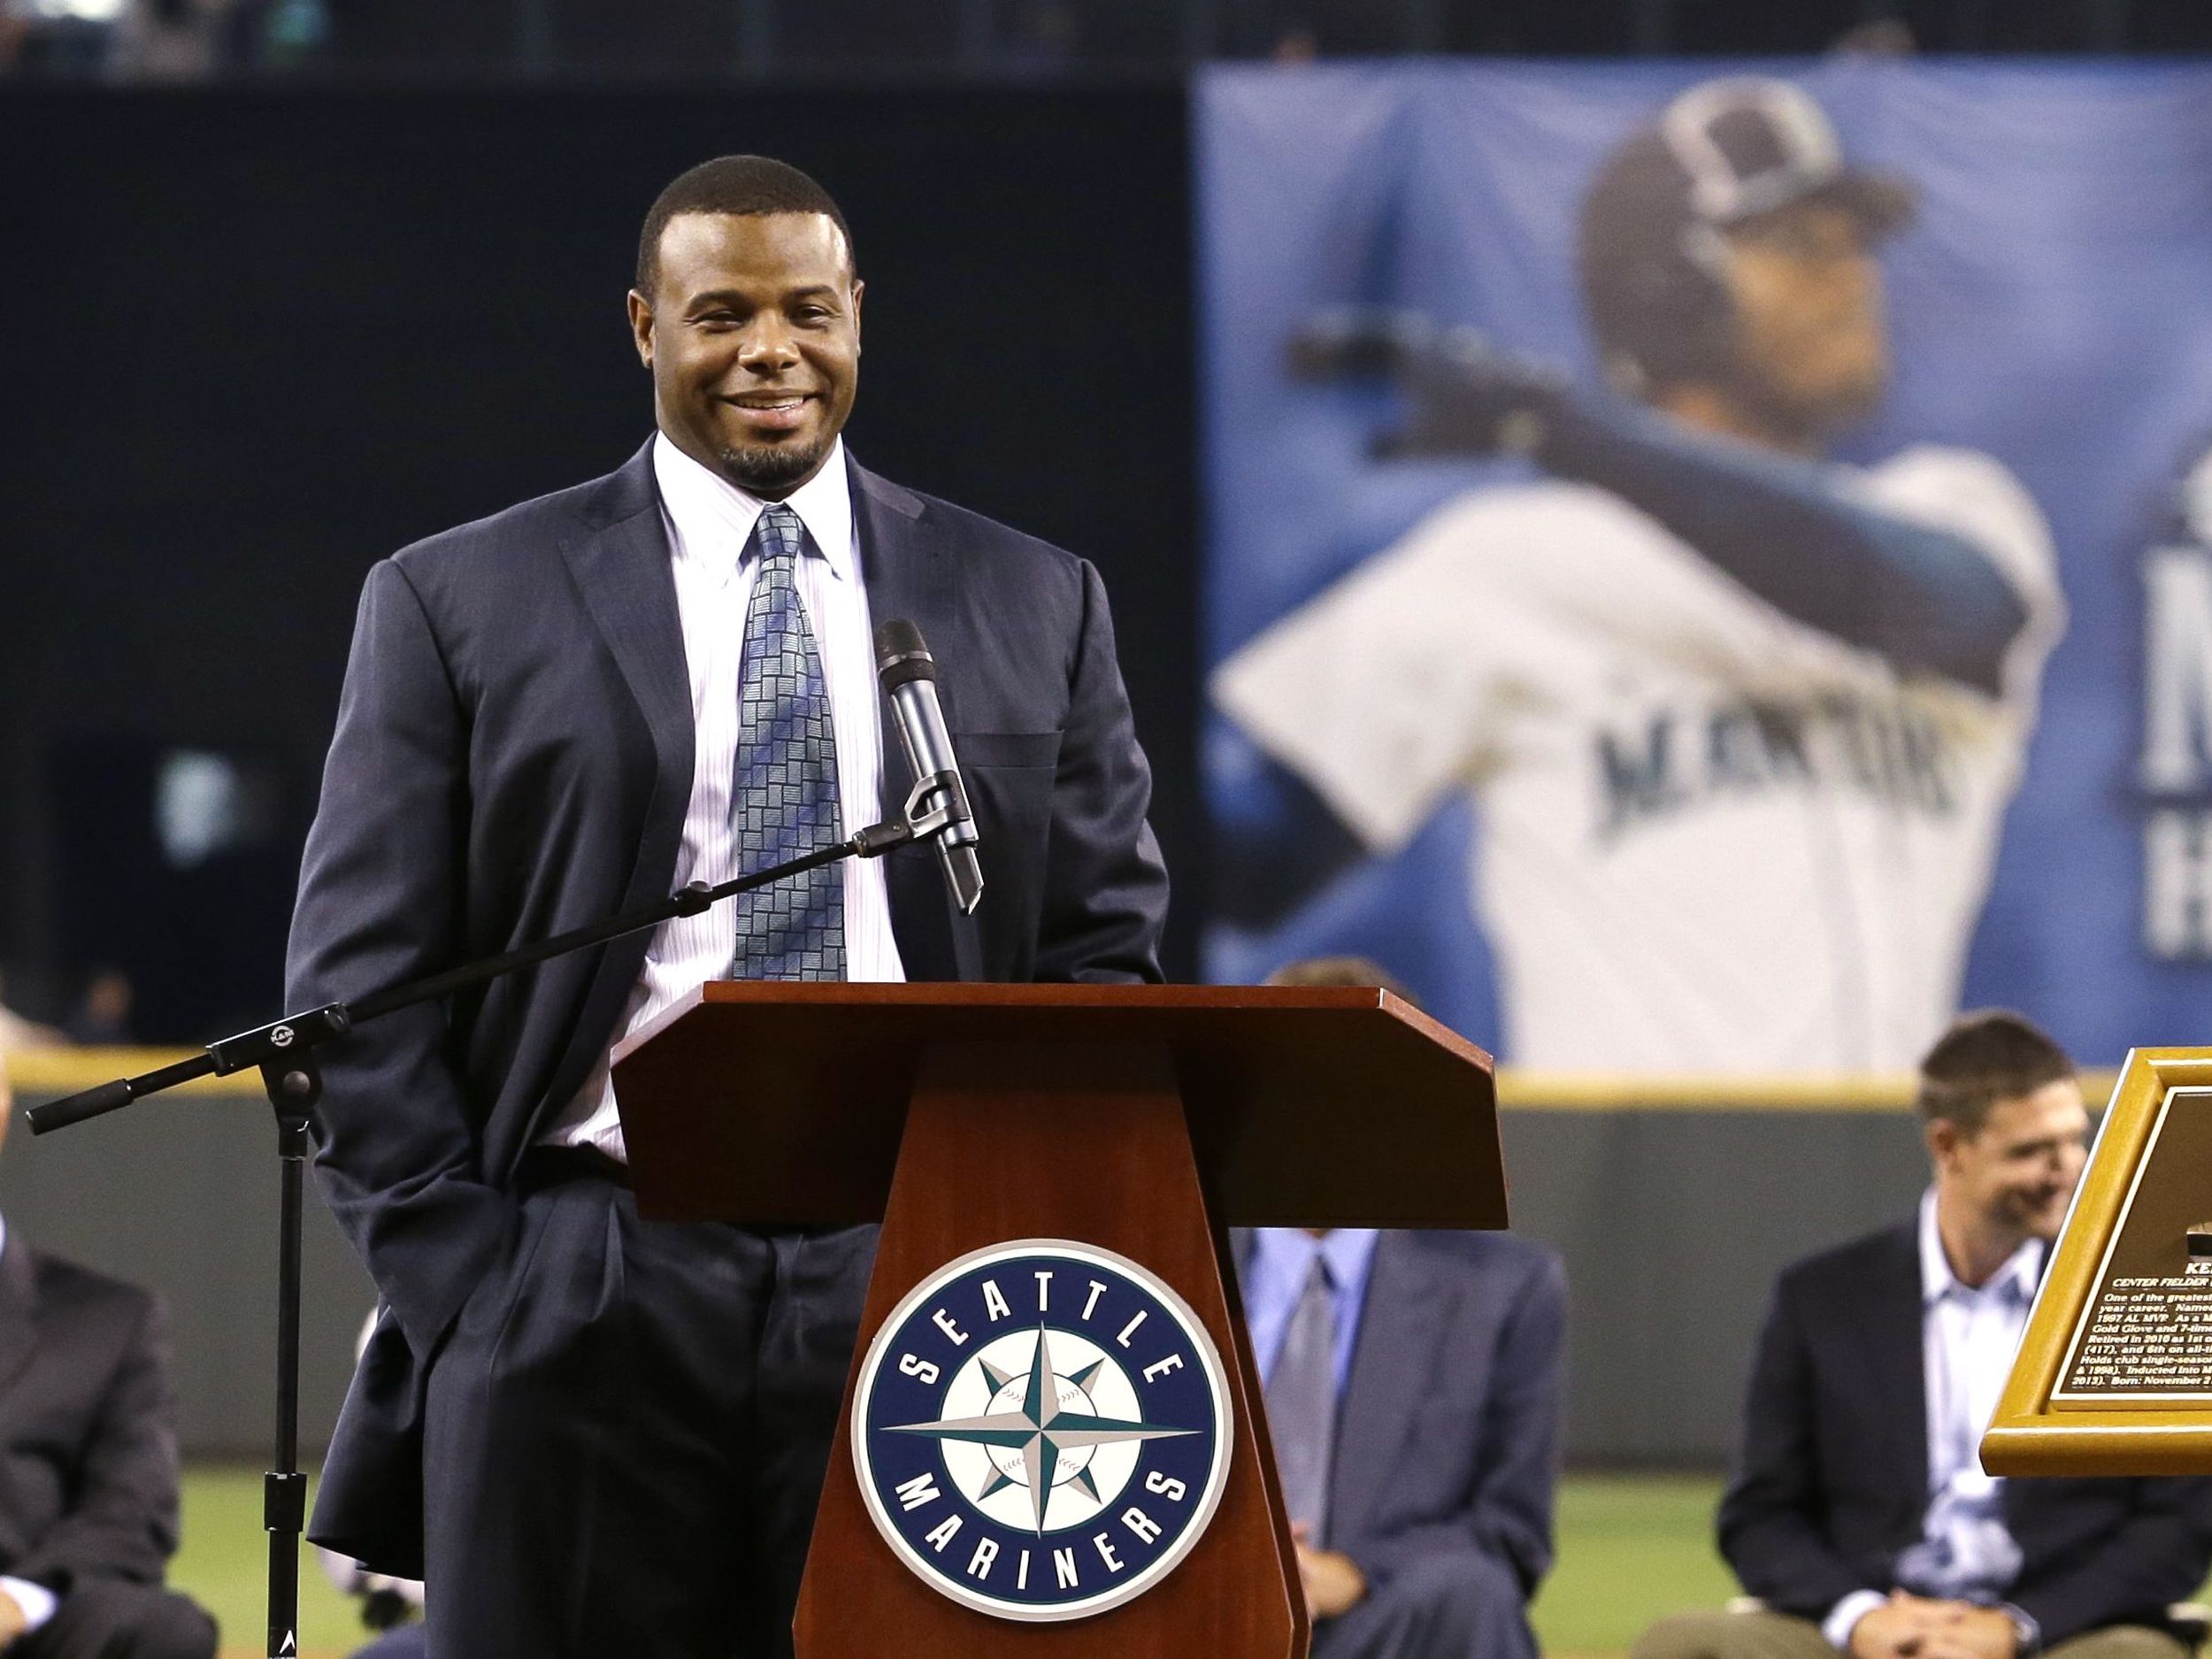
(283, 1050)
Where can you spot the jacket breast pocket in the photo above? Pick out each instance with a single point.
(1010, 777)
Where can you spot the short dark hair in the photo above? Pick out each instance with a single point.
(1985, 1056)
(746, 185)
(1355, 972)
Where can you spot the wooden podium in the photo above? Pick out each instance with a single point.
(1139, 1121)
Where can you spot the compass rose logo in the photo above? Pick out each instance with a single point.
(1041, 1430)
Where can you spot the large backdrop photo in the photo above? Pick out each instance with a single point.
(1635, 750)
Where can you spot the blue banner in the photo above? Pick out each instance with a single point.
(1710, 568)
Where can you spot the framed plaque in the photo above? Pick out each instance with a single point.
(2114, 1375)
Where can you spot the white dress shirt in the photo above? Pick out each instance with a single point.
(710, 523)
(1967, 1337)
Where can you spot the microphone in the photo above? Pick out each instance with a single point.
(909, 676)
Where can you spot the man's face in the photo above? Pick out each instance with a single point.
(2017, 1173)
(1808, 309)
(752, 333)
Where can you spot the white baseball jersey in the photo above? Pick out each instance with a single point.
(1713, 838)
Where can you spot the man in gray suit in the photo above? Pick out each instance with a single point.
(88, 1464)
(1414, 1383)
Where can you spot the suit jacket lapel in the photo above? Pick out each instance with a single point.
(909, 576)
(1391, 1359)
(18, 1308)
(623, 568)
(1893, 1345)
(19, 1342)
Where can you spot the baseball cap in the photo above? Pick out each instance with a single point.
(1749, 145)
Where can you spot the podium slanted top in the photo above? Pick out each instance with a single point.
(779, 1104)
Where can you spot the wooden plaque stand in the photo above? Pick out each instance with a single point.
(1141, 1119)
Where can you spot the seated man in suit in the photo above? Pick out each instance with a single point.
(1413, 1383)
(1859, 1512)
(87, 1466)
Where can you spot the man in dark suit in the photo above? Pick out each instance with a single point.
(1414, 1382)
(1859, 1513)
(592, 1435)
(88, 1465)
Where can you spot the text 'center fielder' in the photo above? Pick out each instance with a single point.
(1741, 722)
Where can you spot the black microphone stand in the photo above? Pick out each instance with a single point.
(283, 1052)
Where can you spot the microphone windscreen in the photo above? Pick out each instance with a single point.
(901, 655)
(59, 1114)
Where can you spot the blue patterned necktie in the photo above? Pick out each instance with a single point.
(783, 800)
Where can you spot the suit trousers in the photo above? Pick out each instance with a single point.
(1455, 1604)
(1764, 1634)
(626, 1433)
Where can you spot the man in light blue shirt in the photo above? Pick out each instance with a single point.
(1859, 1511)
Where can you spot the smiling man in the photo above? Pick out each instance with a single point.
(1859, 1512)
(763, 413)
(592, 1435)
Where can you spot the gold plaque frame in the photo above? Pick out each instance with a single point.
(2143, 1433)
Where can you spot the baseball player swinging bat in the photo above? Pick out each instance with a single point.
(1740, 722)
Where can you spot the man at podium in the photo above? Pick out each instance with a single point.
(591, 1435)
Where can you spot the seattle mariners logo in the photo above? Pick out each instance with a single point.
(1041, 1430)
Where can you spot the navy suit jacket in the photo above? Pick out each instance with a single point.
(88, 1431)
(513, 757)
(1448, 1435)
(1831, 1482)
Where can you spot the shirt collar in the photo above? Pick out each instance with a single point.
(2015, 1279)
(713, 518)
(1287, 1253)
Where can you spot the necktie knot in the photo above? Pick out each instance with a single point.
(777, 535)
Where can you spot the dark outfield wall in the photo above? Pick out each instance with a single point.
(253, 342)
(1670, 1251)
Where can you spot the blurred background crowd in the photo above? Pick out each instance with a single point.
(197, 40)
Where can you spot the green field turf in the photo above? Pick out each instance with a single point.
(1630, 1549)
(225, 1562)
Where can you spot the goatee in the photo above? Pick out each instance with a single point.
(770, 470)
